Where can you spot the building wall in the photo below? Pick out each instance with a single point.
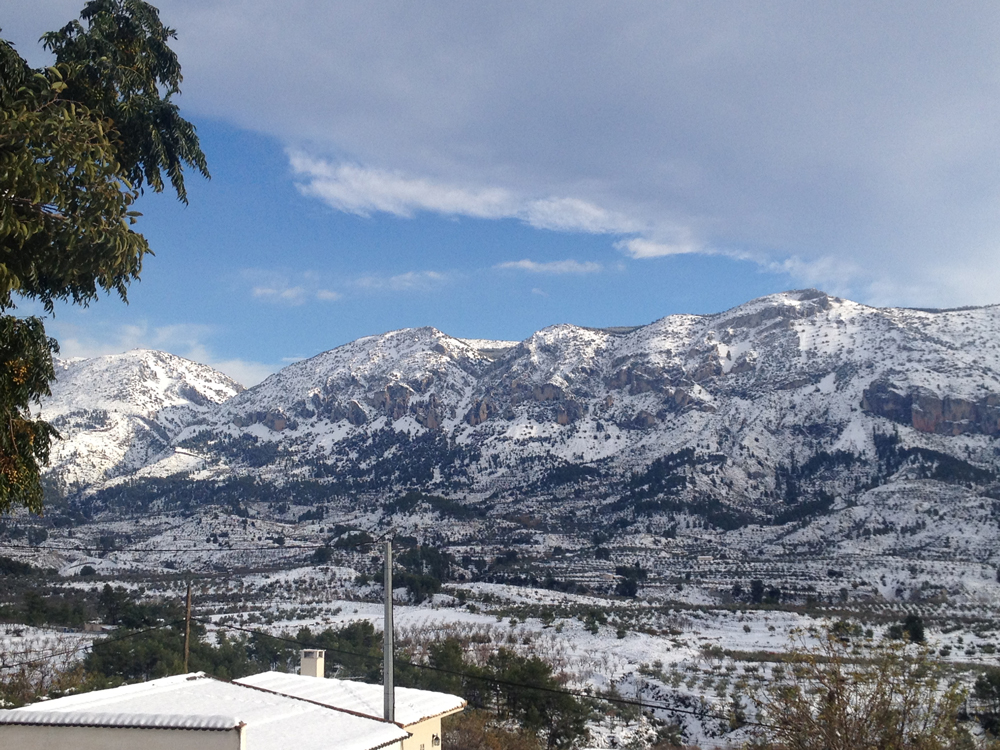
(423, 734)
(35, 737)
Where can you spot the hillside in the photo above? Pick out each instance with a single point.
(116, 413)
(789, 409)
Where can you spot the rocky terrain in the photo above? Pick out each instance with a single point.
(798, 426)
(664, 508)
(117, 413)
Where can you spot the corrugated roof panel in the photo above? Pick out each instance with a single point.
(138, 721)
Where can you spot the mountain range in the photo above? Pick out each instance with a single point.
(781, 409)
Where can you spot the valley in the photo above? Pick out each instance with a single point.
(664, 510)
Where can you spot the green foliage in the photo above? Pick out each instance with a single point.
(912, 628)
(322, 556)
(423, 570)
(987, 692)
(11, 567)
(420, 587)
(427, 560)
(352, 652)
(630, 577)
(78, 140)
(627, 587)
(141, 655)
(125, 70)
(25, 372)
(512, 687)
(52, 610)
(118, 606)
(353, 539)
(66, 215)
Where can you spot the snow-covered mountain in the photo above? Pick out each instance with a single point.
(780, 407)
(116, 413)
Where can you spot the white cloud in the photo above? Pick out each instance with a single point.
(859, 132)
(553, 267)
(365, 191)
(637, 247)
(291, 289)
(361, 191)
(575, 215)
(411, 280)
(243, 371)
(291, 295)
(856, 131)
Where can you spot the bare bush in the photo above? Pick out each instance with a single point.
(854, 695)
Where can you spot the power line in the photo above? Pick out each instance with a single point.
(85, 646)
(276, 548)
(370, 657)
(482, 678)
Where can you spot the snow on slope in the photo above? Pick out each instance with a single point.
(116, 412)
(762, 387)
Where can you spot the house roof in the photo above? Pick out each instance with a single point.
(197, 702)
(358, 697)
(29, 717)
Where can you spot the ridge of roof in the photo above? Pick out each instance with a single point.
(211, 722)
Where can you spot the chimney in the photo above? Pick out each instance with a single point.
(312, 663)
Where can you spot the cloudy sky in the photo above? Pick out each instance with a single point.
(490, 168)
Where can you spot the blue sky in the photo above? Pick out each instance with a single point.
(490, 169)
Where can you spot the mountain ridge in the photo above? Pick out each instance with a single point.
(780, 407)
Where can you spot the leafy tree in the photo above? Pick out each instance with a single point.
(112, 603)
(630, 577)
(912, 628)
(560, 715)
(627, 587)
(424, 568)
(79, 141)
(11, 567)
(987, 692)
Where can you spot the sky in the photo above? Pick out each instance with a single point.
(492, 168)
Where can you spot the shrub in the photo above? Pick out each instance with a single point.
(479, 730)
(830, 699)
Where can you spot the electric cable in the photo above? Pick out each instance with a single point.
(480, 678)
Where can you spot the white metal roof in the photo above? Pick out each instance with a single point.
(30, 716)
(359, 697)
(195, 701)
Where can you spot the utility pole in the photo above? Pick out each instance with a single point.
(187, 629)
(389, 711)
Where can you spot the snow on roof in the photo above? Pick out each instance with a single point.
(194, 701)
(123, 720)
(358, 697)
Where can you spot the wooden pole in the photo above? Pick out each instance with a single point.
(187, 629)
(387, 636)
